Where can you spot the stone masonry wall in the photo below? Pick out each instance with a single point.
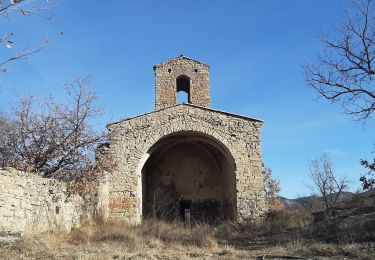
(130, 141)
(165, 86)
(31, 203)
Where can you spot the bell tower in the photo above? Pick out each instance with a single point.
(181, 74)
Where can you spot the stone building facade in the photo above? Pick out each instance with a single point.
(185, 160)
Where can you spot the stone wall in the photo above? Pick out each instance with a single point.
(165, 82)
(131, 143)
(31, 203)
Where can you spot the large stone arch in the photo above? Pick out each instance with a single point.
(180, 125)
(215, 167)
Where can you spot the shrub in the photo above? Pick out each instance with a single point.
(286, 219)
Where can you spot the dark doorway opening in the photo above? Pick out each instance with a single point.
(185, 210)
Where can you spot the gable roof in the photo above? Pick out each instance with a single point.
(191, 105)
(179, 58)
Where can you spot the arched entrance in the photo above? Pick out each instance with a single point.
(189, 175)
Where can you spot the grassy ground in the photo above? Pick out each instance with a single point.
(48, 246)
(160, 240)
(348, 235)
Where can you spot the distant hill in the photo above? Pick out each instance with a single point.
(316, 203)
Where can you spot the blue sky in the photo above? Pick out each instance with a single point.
(256, 50)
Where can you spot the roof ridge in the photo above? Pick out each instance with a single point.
(191, 105)
(179, 57)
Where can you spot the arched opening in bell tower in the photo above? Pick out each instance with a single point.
(182, 89)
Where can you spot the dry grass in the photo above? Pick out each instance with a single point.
(289, 219)
(280, 234)
(119, 242)
(351, 234)
(322, 250)
(150, 232)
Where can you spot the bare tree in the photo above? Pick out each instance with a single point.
(368, 180)
(271, 185)
(344, 71)
(5, 153)
(9, 8)
(272, 188)
(325, 183)
(54, 139)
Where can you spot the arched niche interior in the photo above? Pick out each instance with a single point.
(189, 173)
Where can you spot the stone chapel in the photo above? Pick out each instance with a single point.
(185, 160)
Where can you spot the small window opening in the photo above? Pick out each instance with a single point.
(196, 70)
(183, 89)
(169, 70)
(185, 211)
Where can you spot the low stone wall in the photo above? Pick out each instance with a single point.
(31, 203)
